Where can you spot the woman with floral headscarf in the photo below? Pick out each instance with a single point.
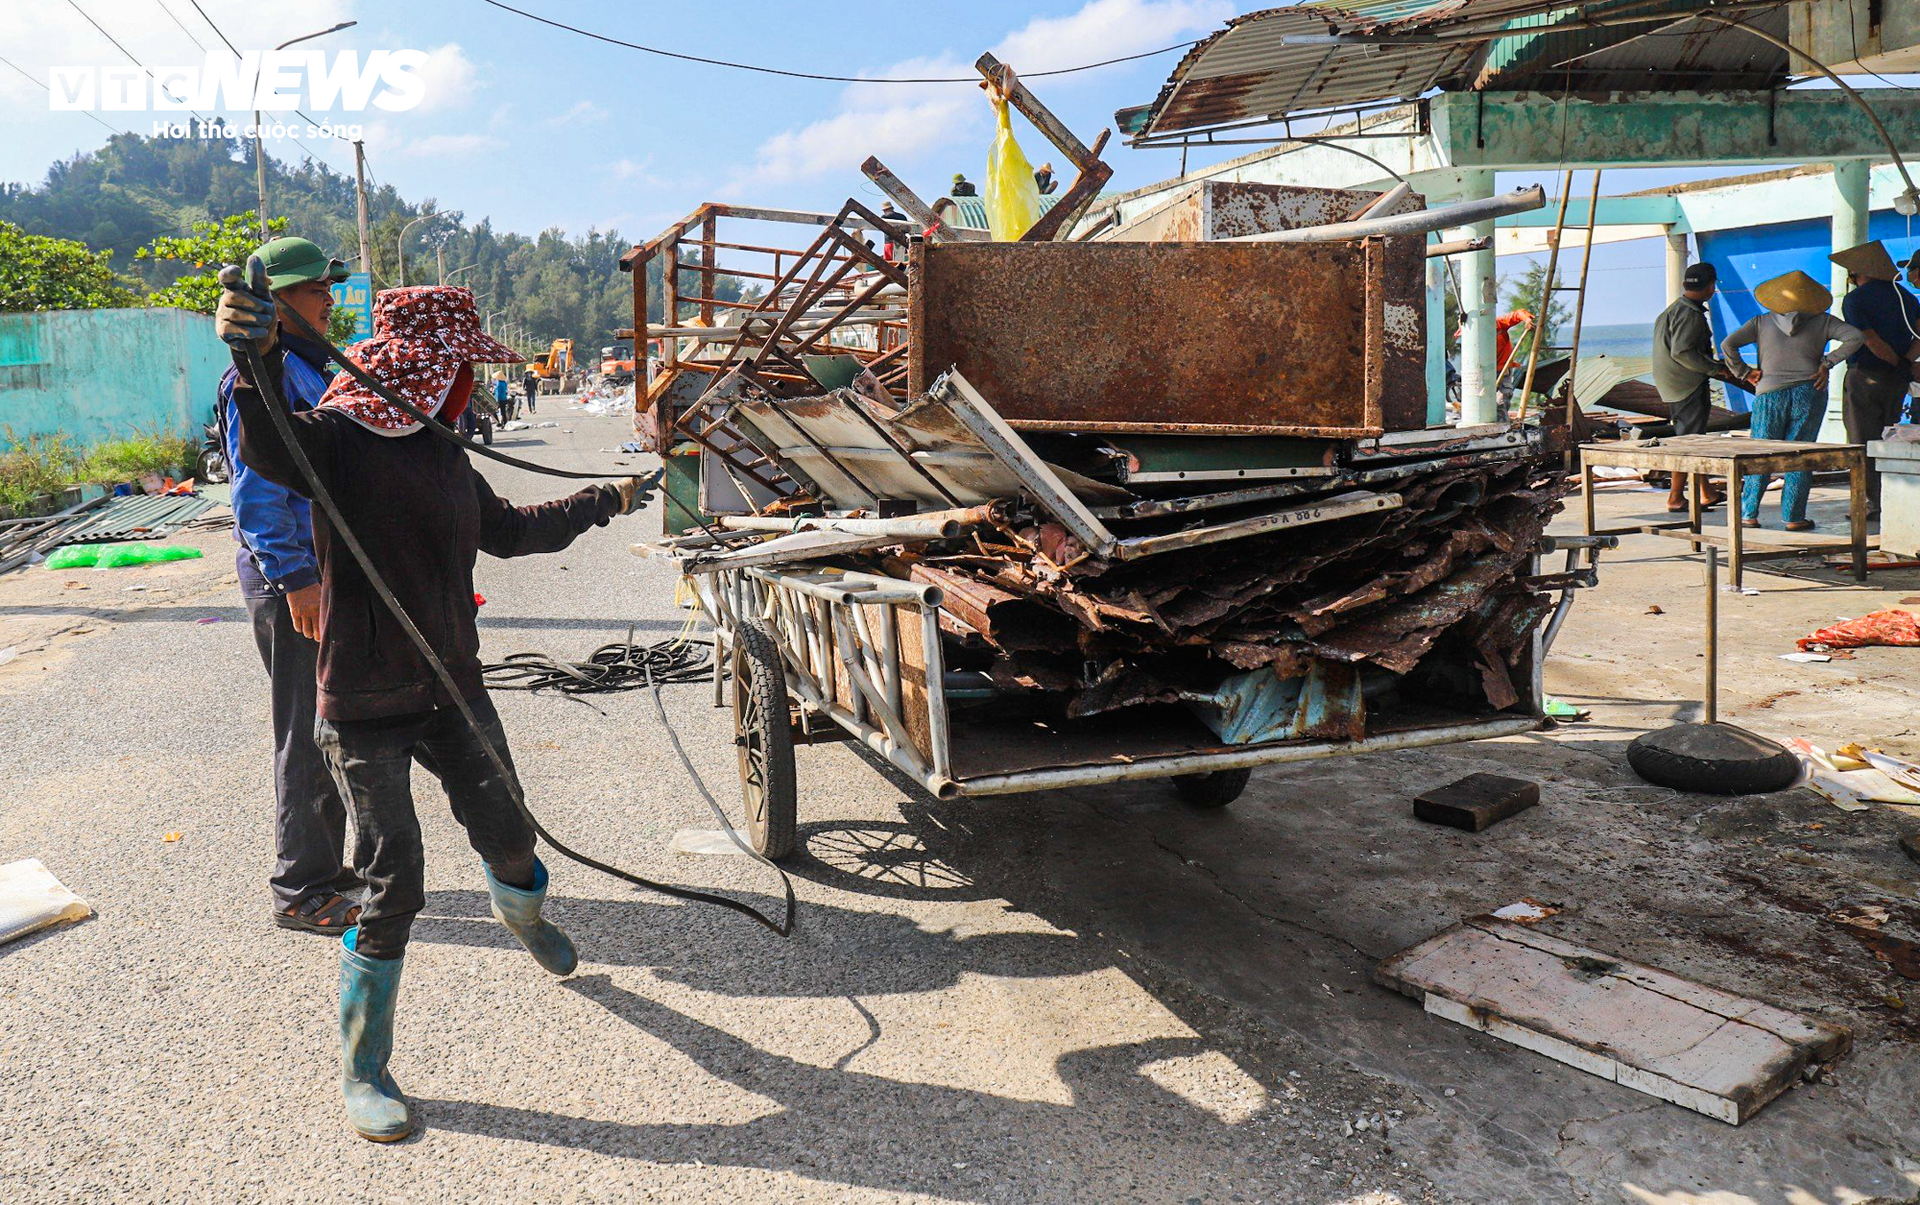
(422, 513)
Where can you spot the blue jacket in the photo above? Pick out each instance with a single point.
(272, 523)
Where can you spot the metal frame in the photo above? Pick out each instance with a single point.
(831, 622)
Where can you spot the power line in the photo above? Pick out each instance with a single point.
(215, 28)
(75, 5)
(182, 25)
(837, 79)
(49, 91)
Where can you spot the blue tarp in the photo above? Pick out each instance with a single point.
(1747, 257)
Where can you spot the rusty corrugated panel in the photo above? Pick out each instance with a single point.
(1213, 338)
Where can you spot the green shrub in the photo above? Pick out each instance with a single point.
(38, 464)
(130, 459)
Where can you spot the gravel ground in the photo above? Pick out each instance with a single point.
(1082, 996)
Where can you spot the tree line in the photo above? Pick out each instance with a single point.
(164, 195)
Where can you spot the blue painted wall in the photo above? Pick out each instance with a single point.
(1747, 257)
(105, 374)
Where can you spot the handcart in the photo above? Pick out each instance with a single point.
(809, 650)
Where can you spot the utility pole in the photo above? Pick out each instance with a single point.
(259, 153)
(440, 262)
(360, 187)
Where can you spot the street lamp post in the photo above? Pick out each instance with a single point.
(458, 271)
(400, 244)
(259, 153)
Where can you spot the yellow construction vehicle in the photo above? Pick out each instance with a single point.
(556, 363)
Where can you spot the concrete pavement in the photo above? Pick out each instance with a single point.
(1086, 995)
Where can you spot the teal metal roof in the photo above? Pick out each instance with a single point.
(1266, 65)
(973, 210)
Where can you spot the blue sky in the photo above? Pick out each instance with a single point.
(536, 128)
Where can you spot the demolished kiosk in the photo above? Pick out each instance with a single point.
(1128, 501)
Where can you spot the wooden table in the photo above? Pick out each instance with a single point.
(1703, 456)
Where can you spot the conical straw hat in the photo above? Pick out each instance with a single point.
(1869, 260)
(1794, 293)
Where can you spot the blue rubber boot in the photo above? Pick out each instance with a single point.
(368, 988)
(519, 910)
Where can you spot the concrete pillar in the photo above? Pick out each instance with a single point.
(1676, 264)
(1437, 334)
(1850, 188)
(1479, 284)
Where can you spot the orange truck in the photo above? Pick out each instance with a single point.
(617, 364)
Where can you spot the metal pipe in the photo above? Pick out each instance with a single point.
(1459, 246)
(905, 758)
(1421, 221)
(1383, 203)
(1241, 759)
(849, 594)
(1711, 704)
(934, 525)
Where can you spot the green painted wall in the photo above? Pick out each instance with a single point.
(104, 374)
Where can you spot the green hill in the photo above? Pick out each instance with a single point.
(135, 189)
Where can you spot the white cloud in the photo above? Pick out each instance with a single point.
(581, 113)
(450, 78)
(901, 123)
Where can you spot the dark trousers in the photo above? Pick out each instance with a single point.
(1872, 400)
(372, 760)
(533, 392)
(1689, 414)
(310, 821)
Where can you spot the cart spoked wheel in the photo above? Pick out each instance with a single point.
(763, 733)
(1214, 790)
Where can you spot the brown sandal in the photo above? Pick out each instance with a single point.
(332, 914)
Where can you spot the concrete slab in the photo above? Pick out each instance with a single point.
(1699, 1047)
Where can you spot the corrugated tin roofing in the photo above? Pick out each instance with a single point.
(1248, 72)
(973, 210)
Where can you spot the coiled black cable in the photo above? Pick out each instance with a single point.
(622, 665)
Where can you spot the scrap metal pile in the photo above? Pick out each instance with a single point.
(1178, 459)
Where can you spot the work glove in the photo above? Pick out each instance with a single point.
(636, 492)
(246, 314)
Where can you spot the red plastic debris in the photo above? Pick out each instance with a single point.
(479, 599)
(1882, 627)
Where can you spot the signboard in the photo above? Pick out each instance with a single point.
(355, 296)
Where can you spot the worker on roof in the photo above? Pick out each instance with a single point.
(1683, 364)
(313, 890)
(1790, 385)
(962, 187)
(422, 514)
(1874, 395)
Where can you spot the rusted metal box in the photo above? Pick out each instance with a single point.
(1308, 339)
(1223, 209)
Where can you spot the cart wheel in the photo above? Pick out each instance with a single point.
(1214, 790)
(763, 734)
(486, 430)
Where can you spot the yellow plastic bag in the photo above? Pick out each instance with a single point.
(1013, 196)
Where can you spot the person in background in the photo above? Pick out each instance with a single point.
(1683, 363)
(962, 187)
(1879, 374)
(1043, 177)
(280, 584)
(531, 383)
(502, 396)
(1790, 385)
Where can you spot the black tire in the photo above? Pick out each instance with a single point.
(763, 738)
(1212, 790)
(486, 430)
(1712, 759)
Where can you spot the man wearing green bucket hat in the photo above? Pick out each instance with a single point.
(280, 583)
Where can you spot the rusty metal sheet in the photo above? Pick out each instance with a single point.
(1225, 209)
(1204, 338)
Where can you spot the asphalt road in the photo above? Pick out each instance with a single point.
(1084, 996)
